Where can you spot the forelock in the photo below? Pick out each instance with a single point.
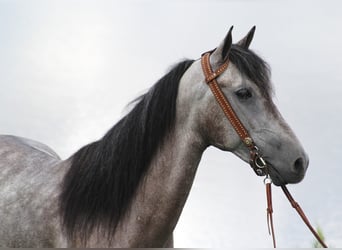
(253, 67)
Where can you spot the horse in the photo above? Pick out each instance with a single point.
(128, 188)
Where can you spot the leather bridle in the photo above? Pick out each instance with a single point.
(256, 161)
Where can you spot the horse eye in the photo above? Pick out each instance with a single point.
(243, 94)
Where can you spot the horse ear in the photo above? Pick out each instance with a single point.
(246, 41)
(222, 51)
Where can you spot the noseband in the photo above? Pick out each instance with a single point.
(256, 160)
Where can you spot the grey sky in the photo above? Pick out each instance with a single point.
(68, 68)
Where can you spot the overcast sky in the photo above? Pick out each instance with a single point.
(68, 68)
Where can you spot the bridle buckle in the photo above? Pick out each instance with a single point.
(257, 162)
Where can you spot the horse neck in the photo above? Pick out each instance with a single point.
(162, 195)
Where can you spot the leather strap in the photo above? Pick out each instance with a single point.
(256, 161)
(270, 212)
(210, 78)
(301, 213)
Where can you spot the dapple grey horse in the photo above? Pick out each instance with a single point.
(128, 188)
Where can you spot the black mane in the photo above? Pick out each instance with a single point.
(104, 175)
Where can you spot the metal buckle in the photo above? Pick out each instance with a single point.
(257, 162)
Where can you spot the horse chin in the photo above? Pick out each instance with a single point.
(279, 179)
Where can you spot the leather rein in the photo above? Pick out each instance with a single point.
(256, 161)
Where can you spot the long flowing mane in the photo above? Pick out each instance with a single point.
(104, 175)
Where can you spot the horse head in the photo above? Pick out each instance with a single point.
(246, 84)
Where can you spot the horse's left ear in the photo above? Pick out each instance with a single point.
(221, 53)
(246, 41)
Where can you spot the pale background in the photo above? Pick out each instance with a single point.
(68, 68)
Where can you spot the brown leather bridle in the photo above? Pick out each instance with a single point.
(256, 161)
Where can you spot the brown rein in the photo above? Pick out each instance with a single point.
(258, 164)
(301, 213)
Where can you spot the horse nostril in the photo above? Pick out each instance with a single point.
(299, 165)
